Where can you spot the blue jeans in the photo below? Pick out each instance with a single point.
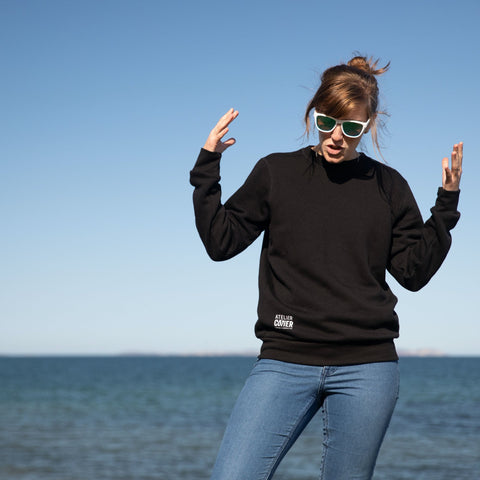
(279, 399)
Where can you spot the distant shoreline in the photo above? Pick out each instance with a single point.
(417, 353)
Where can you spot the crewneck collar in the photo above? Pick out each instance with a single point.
(344, 164)
(343, 171)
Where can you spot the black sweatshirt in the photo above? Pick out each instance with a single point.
(330, 233)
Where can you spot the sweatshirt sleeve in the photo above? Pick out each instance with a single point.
(228, 229)
(418, 249)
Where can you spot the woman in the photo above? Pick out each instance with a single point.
(334, 222)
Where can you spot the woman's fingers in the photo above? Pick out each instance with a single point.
(228, 117)
(214, 141)
(451, 175)
(229, 142)
(221, 128)
(457, 157)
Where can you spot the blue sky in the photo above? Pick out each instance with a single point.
(104, 107)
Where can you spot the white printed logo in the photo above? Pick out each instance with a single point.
(283, 322)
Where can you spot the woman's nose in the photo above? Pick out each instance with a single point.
(337, 133)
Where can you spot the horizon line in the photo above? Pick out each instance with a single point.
(420, 352)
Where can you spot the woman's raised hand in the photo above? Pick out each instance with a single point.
(214, 141)
(451, 176)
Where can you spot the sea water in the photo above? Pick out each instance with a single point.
(162, 418)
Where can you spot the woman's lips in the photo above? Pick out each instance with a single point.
(334, 149)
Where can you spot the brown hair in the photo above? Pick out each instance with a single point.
(346, 85)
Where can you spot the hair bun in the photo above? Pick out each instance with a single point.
(368, 65)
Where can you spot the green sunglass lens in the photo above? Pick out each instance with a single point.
(325, 123)
(352, 128)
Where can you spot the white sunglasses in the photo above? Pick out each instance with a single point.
(350, 128)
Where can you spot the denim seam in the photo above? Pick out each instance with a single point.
(325, 440)
(288, 439)
(324, 419)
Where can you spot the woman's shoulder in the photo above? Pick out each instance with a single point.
(302, 153)
(282, 162)
(393, 186)
(384, 170)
